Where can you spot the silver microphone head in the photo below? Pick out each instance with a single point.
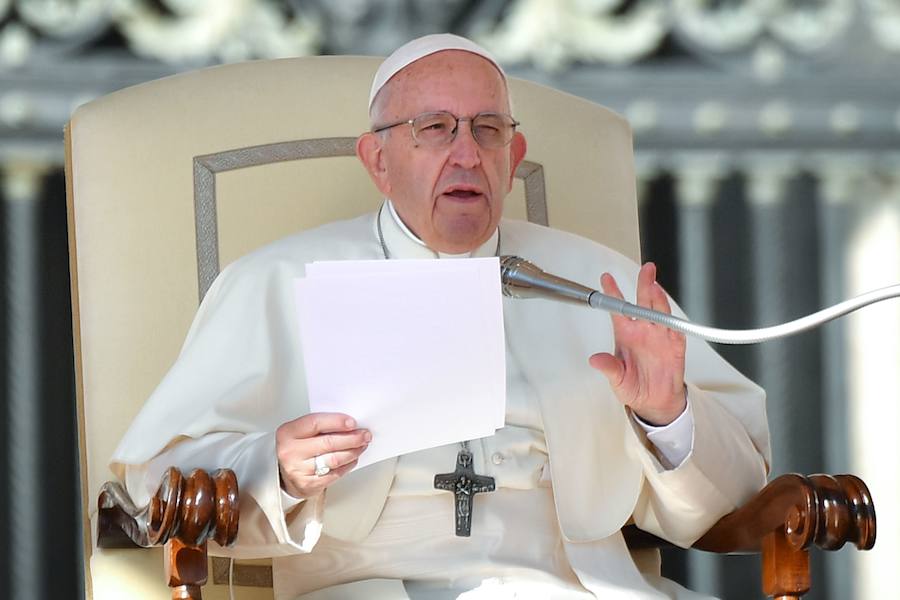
(517, 276)
(523, 279)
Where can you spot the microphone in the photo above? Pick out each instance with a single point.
(522, 279)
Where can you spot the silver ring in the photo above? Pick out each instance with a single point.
(321, 468)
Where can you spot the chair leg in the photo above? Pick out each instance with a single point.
(186, 569)
(186, 592)
(785, 569)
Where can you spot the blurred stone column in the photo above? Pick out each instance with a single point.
(696, 186)
(765, 189)
(872, 358)
(838, 190)
(785, 287)
(21, 194)
(840, 184)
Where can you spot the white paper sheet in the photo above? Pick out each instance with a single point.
(412, 349)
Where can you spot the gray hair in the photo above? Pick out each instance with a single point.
(379, 105)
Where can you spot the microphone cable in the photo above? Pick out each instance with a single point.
(522, 279)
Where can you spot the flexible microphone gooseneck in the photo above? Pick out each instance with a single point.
(522, 279)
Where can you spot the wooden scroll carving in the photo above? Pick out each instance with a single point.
(782, 521)
(787, 517)
(183, 515)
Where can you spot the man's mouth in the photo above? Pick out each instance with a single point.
(463, 193)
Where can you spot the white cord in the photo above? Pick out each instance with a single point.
(743, 336)
(523, 279)
(231, 577)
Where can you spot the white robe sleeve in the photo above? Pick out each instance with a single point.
(674, 441)
(727, 463)
(265, 529)
(724, 469)
(239, 376)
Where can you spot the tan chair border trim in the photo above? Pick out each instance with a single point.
(244, 575)
(79, 372)
(532, 175)
(205, 169)
(208, 165)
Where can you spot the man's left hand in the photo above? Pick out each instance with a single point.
(647, 371)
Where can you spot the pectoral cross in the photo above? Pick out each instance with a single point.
(464, 484)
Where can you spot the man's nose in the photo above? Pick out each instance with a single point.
(464, 149)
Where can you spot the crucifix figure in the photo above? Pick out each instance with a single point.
(464, 484)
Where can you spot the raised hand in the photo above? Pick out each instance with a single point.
(647, 371)
(333, 436)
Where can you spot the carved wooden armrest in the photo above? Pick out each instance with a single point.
(782, 521)
(183, 515)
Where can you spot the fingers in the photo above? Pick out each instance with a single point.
(292, 453)
(648, 363)
(610, 287)
(297, 460)
(611, 367)
(654, 295)
(660, 300)
(331, 435)
(333, 460)
(315, 423)
(333, 442)
(307, 486)
(323, 481)
(645, 285)
(649, 293)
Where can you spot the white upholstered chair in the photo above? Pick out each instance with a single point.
(171, 180)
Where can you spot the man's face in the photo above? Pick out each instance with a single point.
(450, 196)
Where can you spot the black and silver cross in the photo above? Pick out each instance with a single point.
(464, 484)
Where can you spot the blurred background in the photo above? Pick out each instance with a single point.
(767, 140)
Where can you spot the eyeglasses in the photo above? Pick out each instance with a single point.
(435, 129)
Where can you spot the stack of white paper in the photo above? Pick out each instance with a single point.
(412, 349)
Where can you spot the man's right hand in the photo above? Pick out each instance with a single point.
(331, 435)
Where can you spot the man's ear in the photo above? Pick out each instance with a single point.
(517, 148)
(369, 151)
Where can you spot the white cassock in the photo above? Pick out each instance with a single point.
(571, 466)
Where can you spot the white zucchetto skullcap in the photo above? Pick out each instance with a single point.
(421, 47)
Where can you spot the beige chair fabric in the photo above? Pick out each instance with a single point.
(170, 180)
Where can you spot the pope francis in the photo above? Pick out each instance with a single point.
(608, 420)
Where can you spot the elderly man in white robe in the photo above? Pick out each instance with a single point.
(608, 420)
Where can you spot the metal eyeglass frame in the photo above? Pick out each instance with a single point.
(455, 130)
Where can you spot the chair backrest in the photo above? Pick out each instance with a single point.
(170, 180)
